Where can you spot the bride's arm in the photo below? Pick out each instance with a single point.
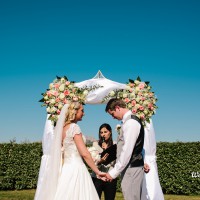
(85, 153)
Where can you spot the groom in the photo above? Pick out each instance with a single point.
(129, 150)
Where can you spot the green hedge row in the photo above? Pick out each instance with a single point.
(19, 165)
(178, 166)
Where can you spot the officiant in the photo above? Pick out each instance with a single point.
(107, 149)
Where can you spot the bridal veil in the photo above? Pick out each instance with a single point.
(50, 170)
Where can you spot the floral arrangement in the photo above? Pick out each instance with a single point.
(60, 92)
(138, 98)
(118, 128)
(94, 153)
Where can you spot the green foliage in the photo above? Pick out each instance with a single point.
(19, 166)
(176, 163)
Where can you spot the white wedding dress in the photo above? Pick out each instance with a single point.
(75, 182)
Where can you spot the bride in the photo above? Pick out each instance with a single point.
(65, 176)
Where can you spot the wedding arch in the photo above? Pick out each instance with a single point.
(104, 87)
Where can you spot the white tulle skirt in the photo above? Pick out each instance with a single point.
(75, 182)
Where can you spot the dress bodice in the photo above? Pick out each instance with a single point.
(69, 147)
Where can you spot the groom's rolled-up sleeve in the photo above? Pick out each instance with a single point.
(131, 130)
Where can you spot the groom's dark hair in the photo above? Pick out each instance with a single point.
(112, 103)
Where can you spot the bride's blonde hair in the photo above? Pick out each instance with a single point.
(71, 113)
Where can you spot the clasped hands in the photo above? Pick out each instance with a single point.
(104, 176)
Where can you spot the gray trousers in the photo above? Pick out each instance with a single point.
(132, 183)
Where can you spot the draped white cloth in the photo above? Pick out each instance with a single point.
(152, 185)
(52, 160)
(151, 189)
(46, 147)
(106, 85)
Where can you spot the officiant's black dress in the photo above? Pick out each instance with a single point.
(109, 188)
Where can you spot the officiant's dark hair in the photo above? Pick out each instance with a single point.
(112, 103)
(110, 140)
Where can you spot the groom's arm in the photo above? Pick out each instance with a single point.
(131, 129)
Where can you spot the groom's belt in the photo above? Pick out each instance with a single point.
(136, 161)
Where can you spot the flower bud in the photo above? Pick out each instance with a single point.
(62, 87)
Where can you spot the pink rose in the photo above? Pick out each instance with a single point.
(49, 93)
(143, 98)
(152, 108)
(134, 110)
(67, 83)
(55, 93)
(65, 101)
(139, 93)
(141, 86)
(127, 100)
(150, 105)
(58, 112)
(133, 103)
(130, 90)
(150, 94)
(142, 117)
(57, 100)
(56, 85)
(141, 108)
(66, 92)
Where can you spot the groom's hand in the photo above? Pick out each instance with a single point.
(146, 168)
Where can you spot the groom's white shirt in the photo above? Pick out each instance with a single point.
(130, 130)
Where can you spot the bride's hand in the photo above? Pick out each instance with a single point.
(101, 174)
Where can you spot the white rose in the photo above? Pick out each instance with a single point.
(128, 87)
(132, 95)
(137, 106)
(60, 106)
(62, 80)
(137, 89)
(62, 87)
(93, 149)
(52, 101)
(137, 99)
(136, 82)
(85, 92)
(129, 106)
(112, 93)
(61, 96)
(125, 95)
(53, 110)
(70, 86)
(93, 154)
(45, 97)
(51, 85)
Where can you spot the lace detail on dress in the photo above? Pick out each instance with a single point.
(69, 146)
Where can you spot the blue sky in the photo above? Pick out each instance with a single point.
(156, 40)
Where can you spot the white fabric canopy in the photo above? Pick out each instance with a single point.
(95, 97)
(105, 86)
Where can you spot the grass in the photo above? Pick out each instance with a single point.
(29, 195)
